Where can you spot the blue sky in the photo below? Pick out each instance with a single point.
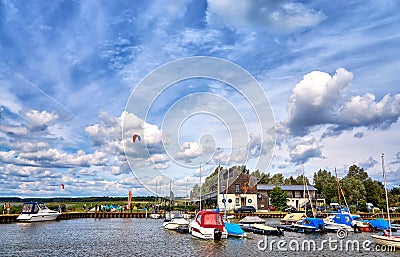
(71, 74)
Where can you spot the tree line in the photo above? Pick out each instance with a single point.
(356, 187)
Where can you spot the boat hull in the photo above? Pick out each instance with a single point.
(386, 240)
(37, 217)
(208, 233)
(174, 224)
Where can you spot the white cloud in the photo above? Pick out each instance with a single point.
(315, 100)
(189, 150)
(40, 120)
(302, 150)
(14, 130)
(286, 16)
(320, 99)
(366, 111)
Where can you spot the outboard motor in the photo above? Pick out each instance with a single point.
(217, 234)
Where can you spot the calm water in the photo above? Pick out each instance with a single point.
(144, 237)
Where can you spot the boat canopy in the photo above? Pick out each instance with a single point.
(210, 219)
(234, 229)
(343, 218)
(379, 223)
(31, 207)
(313, 222)
(294, 216)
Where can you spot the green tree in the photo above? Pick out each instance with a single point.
(290, 181)
(265, 179)
(374, 191)
(277, 179)
(357, 173)
(325, 183)
(301, 179)
(278, 198)
(353, 189)
(394, 196)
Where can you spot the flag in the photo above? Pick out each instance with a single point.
(62, 186)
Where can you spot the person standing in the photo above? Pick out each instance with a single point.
(8, 208)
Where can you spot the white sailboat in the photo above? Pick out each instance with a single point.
(387, 239)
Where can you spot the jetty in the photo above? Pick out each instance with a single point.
(106, 215)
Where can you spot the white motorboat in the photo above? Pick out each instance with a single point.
(208, 225)
(176, 223)
(34, 211)
(155, 216)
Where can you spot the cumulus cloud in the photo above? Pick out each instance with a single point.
(315, 99)
(303, 149)
(40, 120)
(286, 16)
(321, 99)
(188, 151)
(53, 158)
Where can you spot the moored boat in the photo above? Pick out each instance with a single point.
(341, 220)
(386, 240)
(175, 223)
(234, 230)
(257, 225)
(155, 216)
(307, 225)
(35, 211)
(208, 225)
(292, 218)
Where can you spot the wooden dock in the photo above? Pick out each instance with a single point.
(106, 215)
(81, 215)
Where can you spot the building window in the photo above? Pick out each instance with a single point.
(249, 200)
(237, 201)
(237, 188)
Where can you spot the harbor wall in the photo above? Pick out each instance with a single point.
(105, 215)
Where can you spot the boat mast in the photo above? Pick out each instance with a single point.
(186, 196)
(304, 191)
(200, 186)
(308, 192)
(156, 198)
(386, 195)
(218, 181)
(338, 188)
(226, 191)
(170, 197)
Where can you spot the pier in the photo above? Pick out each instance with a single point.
(106, 215)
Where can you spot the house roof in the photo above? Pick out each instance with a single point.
(268, 187)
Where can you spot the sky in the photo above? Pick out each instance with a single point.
(279, 86)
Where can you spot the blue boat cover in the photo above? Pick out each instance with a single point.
(379, 223)
(313, 222)
(343, 218)
(233, 229)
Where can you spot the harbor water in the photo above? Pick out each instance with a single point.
(145, 237)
